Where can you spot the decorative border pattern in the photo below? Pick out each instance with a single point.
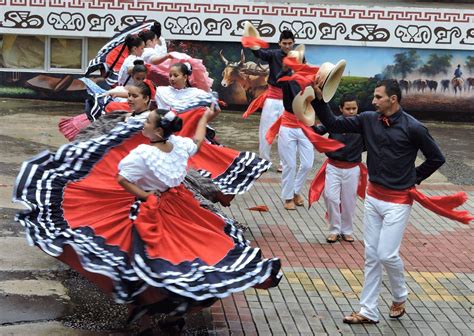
(405, 27)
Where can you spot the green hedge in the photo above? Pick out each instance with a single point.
(361, 87)
(8, 91)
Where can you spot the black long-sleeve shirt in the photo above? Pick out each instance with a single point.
(391, 150)
(274, 57)
(290, 90)
(354, 142)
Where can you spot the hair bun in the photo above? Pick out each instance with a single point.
(177, 124)
(156, 28)
(138, 62)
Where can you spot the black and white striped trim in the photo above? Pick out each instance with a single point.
(98, 109)
(99, 61)
(39, 186)
(242, 173)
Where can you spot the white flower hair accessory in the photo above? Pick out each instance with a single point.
(169, 116)
(188, 66)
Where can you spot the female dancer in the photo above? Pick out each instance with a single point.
(232, 171)
(138, 233)
(135, 46)
(150, 54)
(104, 102)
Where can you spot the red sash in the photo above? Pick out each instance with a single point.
(322, 144)
(251, 41)
(271, 92)
(441, 205)
(319, 181)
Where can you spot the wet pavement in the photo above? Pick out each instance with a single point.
(322, 282)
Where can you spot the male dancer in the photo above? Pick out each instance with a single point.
(292, 140)
(294, 136)
(273, 100)
(392, 138)
(342, 171)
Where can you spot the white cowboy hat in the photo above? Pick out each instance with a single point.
(302, 107)
(251, 31)
(328, 78)
(298, 53)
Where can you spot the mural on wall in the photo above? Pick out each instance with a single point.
(420, 47)
(425, 76)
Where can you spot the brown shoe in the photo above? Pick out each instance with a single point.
(356, 318)
(397, 310)
(347, 238)
(299, 200)
(289, 205)
(332, 238)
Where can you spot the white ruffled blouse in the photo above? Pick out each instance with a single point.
(152, 169)
(167, 97)
(123, 73)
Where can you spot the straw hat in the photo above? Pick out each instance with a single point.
(298, 53)
(251, 31)
(328, 78)
(302, 107)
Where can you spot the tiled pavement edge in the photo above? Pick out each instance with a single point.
(322, 282)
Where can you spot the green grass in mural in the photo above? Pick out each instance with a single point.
(8, 91)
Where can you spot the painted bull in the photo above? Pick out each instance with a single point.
(252, 77)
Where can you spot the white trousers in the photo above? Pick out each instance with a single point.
(291, 141)
(340, 196)
(271, 111)
(384, 224)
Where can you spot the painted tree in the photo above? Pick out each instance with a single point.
(389, 72)
(470, 63)
(437, 64)
(405, 62)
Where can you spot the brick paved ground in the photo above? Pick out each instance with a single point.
(322, 282)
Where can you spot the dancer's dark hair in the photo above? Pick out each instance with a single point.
(156, 28)
(138, 66)
(391, 88)
(147, 35)
(286, 34)
(133, 41)
(347, 97)
(169, 122)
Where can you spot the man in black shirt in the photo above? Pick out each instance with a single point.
(392, 139)
(273, 105)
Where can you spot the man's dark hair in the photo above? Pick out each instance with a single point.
(286, 34)
(391, 88)
(347, 97)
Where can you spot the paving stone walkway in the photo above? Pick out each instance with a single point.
(322, 282)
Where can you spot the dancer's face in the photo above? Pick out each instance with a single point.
(139, 77)
(349, 108)
(382, 102)
(150, 130)
(136, 100)
(177, 78)
(138, 51)
(286, 45)
(152, 43)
